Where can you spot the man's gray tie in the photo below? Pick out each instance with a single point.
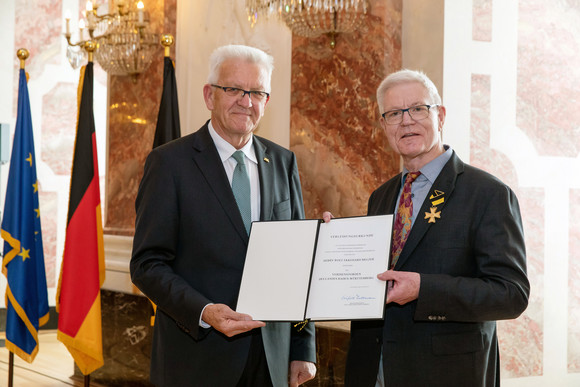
(241, 188)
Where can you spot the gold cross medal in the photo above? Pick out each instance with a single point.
(436, 198)
(432, 215)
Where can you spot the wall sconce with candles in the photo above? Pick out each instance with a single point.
(124, 43)
(312, 18)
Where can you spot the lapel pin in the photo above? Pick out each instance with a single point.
(432, 215)
(437, 197)
(266, 159)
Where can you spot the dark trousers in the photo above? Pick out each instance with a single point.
(256, 372)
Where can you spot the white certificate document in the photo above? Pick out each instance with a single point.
(308, 269)
(277, 270)
(349, 255)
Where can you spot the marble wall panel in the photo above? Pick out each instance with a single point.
(38, 29)
(57, 143)
(48, 221)
(481, 29)
(58, 128)
(548, 80)
(548, 76)
(342, 152)
(133, 108)
(521, 340)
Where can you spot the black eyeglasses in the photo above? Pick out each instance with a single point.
(255, 95)
(419, 112)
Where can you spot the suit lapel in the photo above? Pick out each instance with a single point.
(444, 183)
(206, 157)
(266, 179)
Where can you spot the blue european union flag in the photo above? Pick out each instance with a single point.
(23, 262)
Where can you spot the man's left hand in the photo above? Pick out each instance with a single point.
(402, 286)
(301, 372)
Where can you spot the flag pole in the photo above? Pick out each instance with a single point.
(167, 42)
(10, 369)
(22, 54)
(90, 48)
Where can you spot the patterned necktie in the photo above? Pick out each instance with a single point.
(241, 188)
(403, 219)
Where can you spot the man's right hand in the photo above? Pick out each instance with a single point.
(326, 216)
(228, 322)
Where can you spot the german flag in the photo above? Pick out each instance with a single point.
(78, 299)
(168, 127)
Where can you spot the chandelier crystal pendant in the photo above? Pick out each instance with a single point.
(312, 18)
(125, 46)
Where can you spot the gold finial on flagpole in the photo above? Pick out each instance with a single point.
(22, 54)
(90, 46)
(167, 42)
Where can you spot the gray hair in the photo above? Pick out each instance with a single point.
(237, 51)
(407, 76)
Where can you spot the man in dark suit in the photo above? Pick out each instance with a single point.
(191, 239)
(461, 267)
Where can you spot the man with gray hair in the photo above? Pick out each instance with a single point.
(457, 263)
(196, 201)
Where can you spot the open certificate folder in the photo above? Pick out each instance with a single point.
(308, 269)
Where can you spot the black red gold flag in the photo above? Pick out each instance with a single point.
(83, 265)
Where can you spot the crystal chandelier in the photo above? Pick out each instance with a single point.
(124, 44)
(312, 18)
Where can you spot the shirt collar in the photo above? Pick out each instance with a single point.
(432, 169)
(225, 149)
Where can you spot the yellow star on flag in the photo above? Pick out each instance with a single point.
(37, 212)
(35, 185)
(432, 215)
(29, 159)
(24, 254)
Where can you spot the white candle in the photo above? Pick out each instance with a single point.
(90, 15)
(140, 7)
(67, 20)
(81, 28)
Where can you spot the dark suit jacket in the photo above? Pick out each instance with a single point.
(189, 250)
(473, 271)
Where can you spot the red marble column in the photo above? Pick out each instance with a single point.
(132, 116)
(342, 152)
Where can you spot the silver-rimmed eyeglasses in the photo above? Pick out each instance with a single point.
(419, 112)
(235, 92)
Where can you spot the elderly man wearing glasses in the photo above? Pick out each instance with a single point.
(197, 199)
(457, 260)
